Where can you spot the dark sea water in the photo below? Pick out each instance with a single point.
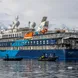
(38, 69)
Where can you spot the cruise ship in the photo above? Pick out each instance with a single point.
(33, 41)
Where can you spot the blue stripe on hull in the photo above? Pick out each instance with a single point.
(11, 53)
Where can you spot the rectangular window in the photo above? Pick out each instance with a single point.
(37, 42)
(47, 41)
(43, 41)
(34, 42)
(40, 42)
(28, 42)
(31, 42)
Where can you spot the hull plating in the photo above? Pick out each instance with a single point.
(35, 54)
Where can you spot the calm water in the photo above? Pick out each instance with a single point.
(37, 69)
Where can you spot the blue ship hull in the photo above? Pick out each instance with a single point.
(63, 54)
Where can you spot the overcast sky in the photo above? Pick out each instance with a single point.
(59, 12)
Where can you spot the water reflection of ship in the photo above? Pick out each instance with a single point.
(29, 65)
(44, 66)
(47, 67)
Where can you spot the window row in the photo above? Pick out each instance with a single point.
(31, 42)
(38, 42)
(12, 35)
(28, 48)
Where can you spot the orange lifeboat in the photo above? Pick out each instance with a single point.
(43, 31)
(28, 35)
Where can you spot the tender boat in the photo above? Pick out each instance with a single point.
(12, 59)
(48, 59)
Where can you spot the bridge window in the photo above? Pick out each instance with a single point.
(47, 41)
(37, 42)
(28, 42)
(44, 42)
(40, 42)
(31, 42)
(34, 42)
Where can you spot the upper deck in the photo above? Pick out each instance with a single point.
(56, 35)
(50, 34)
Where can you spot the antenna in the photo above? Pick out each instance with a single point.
(29, 24)
(17, 18)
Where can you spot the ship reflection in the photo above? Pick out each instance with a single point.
(37, 69)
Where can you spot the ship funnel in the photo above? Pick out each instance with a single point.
(15, 23)
(43, 27)
(44, 23)
(44, 19)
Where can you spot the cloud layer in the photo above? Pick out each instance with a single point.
(58, 11)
